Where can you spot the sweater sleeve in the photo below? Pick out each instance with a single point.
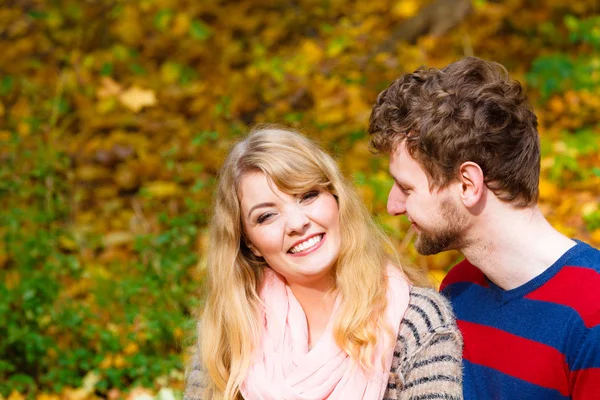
(195, 379)
(429, 349)
(585, 373)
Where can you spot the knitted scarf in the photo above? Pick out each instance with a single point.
(283, 367)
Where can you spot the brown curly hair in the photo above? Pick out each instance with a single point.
(470, 110)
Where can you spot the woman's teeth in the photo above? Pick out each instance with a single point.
(306, 244)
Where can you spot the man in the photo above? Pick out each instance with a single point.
(465, 157)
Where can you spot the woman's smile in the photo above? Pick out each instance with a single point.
(307, 246)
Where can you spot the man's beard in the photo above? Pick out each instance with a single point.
(448, 237)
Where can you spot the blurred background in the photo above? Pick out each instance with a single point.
(115, 116)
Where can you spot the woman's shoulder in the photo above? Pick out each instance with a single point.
(429, 310)
(427, 357)
(428, 322)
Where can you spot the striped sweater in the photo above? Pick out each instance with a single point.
(427, 357)
(538, 341)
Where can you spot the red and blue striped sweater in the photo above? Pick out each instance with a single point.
(538, 341)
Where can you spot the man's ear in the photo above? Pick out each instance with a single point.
(472, 183)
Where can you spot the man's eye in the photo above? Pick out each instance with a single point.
(309, 195)
(264, 217)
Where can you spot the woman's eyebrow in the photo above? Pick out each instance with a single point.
(260, 206)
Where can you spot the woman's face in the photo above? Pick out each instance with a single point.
(297, 235)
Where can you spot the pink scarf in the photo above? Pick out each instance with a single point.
(283, 367)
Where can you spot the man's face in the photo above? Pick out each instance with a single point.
(436, 217)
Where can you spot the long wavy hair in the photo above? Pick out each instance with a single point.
(230, 325)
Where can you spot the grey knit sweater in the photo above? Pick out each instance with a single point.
(427, 359)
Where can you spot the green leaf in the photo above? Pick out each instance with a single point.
(106, 69)
(199, 30)
(163, 19)
(6, 84)
(37, 14)
(137, 69)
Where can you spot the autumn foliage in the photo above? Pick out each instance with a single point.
(115, 116)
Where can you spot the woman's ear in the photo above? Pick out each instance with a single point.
(472, 183)
(253, 249)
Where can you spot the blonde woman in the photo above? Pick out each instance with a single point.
(304, 300)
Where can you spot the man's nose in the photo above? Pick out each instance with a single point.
(396, 204)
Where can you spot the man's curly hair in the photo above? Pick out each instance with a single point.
(470, 110)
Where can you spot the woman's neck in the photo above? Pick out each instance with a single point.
(317, 304)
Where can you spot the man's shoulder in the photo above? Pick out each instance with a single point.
(576, 285)
(463, 273)
(585, 256)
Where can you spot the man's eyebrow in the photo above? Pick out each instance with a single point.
(260, 206)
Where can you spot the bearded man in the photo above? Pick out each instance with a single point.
(465, 157)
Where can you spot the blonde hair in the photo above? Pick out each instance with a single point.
(230, 326)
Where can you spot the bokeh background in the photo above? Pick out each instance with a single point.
(115, 116)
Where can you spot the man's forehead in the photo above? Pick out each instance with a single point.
(399, 154)
(404, 167)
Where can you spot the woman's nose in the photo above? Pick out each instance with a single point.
(297, 221)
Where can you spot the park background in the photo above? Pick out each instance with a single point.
(115, 116)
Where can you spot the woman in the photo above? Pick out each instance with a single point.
(303, 299)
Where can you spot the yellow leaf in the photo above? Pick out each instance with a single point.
(442, 261)
(89, 173)
(595, 237)
(119, 361)
(405, 8)
(436, 276)
(136, 98)
(178, 333)
(46, 396)
(66, 243)
(14, 395)
(23, 128)
(556, 105)
(131, 348)
(106, 105)
(162, 189)
(312, 53)
(548, 190)
(106, 192)
(181, 25)
(170, 72)
(106, 362)
(126, 177)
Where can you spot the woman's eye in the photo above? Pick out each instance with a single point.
(264, 217)
(309, 195)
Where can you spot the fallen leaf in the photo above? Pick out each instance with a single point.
(162, 189)
(114, 239)
(108, 88)
(140, 394)
(136, 98)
